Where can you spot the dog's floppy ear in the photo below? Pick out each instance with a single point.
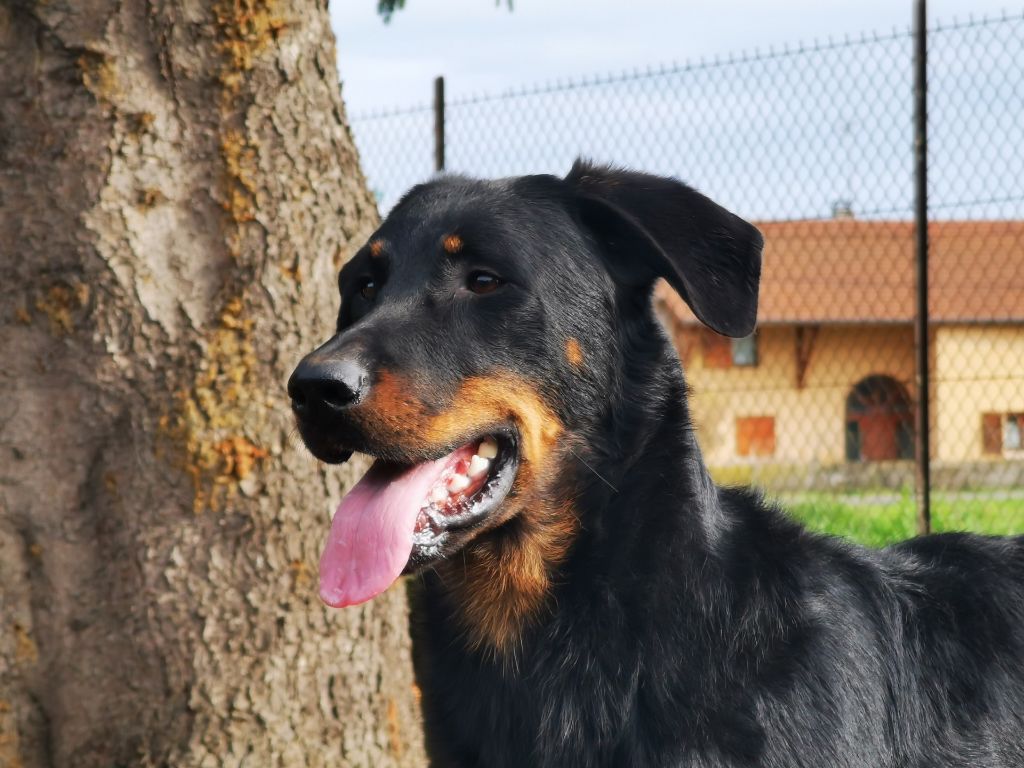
(654, 227)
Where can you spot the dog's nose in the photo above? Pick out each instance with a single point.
(326, 385)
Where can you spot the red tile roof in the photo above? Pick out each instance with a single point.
(850, 271)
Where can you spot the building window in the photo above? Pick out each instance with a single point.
(992, 434)
(1012, 439)
(744, 351)
(1002, 433)
(755, 436)
(722, 352)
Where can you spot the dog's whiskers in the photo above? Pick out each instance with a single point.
(598, 474)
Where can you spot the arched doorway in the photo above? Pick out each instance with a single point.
(879, 421)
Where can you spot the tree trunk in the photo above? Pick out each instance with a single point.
(178, 187)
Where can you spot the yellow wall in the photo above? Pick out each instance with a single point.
(809, 422)
(978, 369)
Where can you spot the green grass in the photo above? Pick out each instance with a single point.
(879, 522)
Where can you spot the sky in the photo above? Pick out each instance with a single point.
(482, 47)
(772, 136)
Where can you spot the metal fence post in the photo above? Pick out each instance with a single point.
(922, 445)
(439, 124)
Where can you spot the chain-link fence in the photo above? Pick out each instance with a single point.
(816, 145)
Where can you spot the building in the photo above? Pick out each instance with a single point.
(827, 381)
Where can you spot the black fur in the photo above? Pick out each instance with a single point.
(690, 625)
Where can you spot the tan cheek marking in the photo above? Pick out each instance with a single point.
(503, 397)
(394, 413)
(503, 579)
(452, 243)
(573, 353)
(376, 248)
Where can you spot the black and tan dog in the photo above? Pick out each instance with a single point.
(589, 596)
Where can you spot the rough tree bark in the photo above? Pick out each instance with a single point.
(178, 186)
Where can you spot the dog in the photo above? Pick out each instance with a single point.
(586, 595)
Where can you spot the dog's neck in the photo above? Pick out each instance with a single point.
(652, 460)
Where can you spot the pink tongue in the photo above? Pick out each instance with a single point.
(371, 536)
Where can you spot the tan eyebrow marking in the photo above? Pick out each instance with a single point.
(452, 243)
(573, 353)
(376, 247)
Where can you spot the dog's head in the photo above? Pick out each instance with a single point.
(478, 341)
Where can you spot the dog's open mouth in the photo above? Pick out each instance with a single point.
(400, 516)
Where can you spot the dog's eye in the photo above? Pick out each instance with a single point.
(483, 282)
(368, 288)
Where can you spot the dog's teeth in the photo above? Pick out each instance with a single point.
(438, 495)
(488, 448)
(458, 483)
(478, 465)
